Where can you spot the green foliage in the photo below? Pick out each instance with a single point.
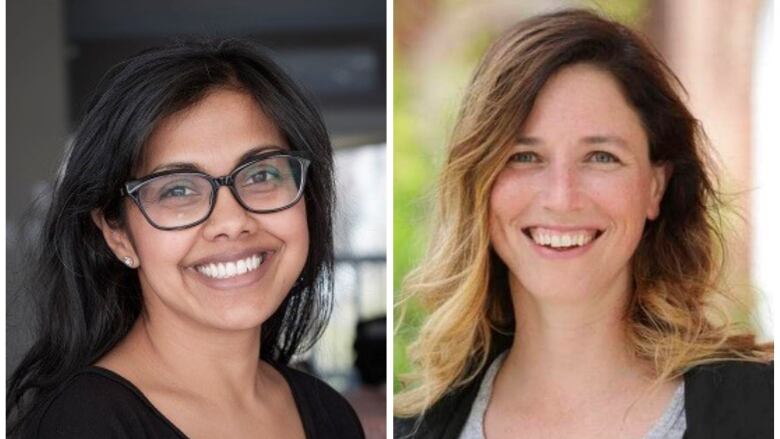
(628, 12)
(413, 178)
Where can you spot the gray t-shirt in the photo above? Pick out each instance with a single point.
(671, 424)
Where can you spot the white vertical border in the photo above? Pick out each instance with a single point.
(3, 52)
(766, 158)
(389, 178)
(766, 181)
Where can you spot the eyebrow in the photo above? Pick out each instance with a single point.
(598, 140)
(193, 167)
(590, 140)
(529, 141)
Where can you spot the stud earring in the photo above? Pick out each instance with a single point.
(129, 261)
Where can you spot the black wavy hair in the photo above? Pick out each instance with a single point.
(87, 300)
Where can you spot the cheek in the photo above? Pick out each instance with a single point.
(291, 227)
(625, 200)
(155, 246)
(301, 229)
(509, 198)
(497, 208)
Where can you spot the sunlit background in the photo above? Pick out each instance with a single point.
(720, 51)
(58, 50)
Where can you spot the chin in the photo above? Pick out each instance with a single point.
(239, 318)
(554, 286)
(236, 324)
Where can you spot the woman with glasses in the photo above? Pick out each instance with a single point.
(185, 259)
(574, 264)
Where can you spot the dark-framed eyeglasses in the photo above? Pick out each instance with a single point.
(175, 199)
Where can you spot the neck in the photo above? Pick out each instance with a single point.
(572, 347)
(213, 363)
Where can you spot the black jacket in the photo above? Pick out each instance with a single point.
(727, 400)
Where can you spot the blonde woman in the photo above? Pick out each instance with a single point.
(572, 268)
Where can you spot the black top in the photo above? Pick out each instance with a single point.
(97, 403)
(726, 400)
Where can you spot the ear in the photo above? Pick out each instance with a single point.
(117, 239)
(661, 173)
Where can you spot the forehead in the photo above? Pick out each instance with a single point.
(213, 133)
(579, 101)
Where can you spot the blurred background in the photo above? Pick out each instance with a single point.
(57, 50)
(719, 49)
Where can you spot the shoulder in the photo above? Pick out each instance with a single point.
(445, 418)
(407, 427)
(732, 378)
(730, 399)
(304, 384)
(95, 403)
(324, 412)
(724, 372)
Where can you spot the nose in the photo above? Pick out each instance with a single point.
(228, 219)
(563, 189)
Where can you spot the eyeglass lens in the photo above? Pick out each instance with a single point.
(178, 200)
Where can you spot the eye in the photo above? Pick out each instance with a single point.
(603, 157)
(264, 175)
(524, 157)
(177, 191)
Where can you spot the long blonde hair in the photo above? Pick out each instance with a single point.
(676, 265)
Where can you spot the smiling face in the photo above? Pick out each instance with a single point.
(568, 209)
(232, 271)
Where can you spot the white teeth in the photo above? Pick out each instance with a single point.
(224, 270)
(561, 240)
(230, 269)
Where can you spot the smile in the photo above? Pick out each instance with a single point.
(226, 270)
(561, 240)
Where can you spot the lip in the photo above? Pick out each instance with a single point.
(242, 280)
(556, 228)
(574, 252)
